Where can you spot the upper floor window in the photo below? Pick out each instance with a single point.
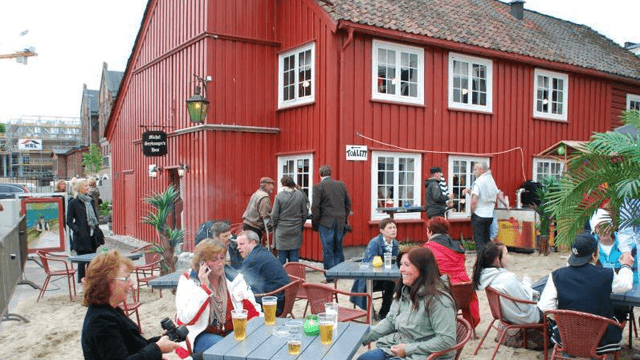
(395, 179)
(551, 95)
(470, 83)
(299, 167)
(296, 76)
(397, 73)
(633, 102)
(543, 168)
(461, 177)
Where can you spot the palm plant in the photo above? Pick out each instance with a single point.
(608, 170)
(549, 185)
(163, 204)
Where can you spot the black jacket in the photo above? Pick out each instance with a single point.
(108, 334)
(77, 221)
(435, 202)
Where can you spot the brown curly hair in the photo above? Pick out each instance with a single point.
(100, 273)
(206, 250)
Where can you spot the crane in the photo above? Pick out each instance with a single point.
(20, 56)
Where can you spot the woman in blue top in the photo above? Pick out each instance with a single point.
(608, 245)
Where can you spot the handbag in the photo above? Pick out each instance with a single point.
(97, 238)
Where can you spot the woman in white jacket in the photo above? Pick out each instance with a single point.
(490, 270)
(208, 292)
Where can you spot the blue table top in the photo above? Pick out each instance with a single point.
(629, 298)
(88, 257)
(168, 281)
(262, 344)
(354, 270)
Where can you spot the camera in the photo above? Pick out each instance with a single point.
(178, 334)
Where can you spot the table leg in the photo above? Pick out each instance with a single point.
(369, 283)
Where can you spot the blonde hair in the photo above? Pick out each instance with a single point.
(79, 184)
(92, 182)
(206, 250)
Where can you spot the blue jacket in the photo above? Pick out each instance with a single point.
(375, 248)
(264, 273)
(613, 260)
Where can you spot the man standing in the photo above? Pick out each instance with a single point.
(483, 200)
(257, 216)
(330, 207)
(262, 271)
(435, 201)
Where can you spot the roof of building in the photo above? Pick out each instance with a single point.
(113, 79)
(489, 24)
(92, 98)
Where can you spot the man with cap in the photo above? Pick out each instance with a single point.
(435, 201)
(257, 216)
(582, 286)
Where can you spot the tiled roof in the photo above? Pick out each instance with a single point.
(113, 81)
(489, 24)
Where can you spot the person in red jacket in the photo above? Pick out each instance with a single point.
(451, 258)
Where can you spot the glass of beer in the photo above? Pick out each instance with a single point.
(332, 308)
(294, 343)
(325, 323)
(269, 307)
(239, 318)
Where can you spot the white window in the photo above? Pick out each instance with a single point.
(551, 95)
(296, 77)
(470, 83)
(633, 102)
(543, 168)
(461, 177)
(397, 73)
(299, 167)
(395, 180)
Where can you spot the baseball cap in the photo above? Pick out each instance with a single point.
(436, 169)
(267, 180)
(582, 249)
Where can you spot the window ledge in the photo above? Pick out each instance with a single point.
(481, 112)
(399, 102)
(295, 105)
(540, 118)
(400, 221)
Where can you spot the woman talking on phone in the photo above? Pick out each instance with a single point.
(208, 292)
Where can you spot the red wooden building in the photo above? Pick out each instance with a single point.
(296, 82)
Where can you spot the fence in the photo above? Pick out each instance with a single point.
(13, 256)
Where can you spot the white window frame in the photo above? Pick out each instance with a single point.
(565, 90)
(632, 98)
(468, 105)
(470, 178)
(297, 100)
(399, 49)
(417, 188)
(295, 158)
(537, 176)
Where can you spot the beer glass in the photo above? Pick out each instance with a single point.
(294, 327)
(325, 323)
(294, 343)
(269, 307)
(387, 260)
(239, 318)
(332, 308)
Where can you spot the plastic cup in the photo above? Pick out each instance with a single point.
(239, 317)
(269, 304)
(387, 260)
(332, 309)
(294, 343)
(294, 327)
(325, 323)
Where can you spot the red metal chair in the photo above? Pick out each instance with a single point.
(494, 298)
(463, 333)
(150, 270)
(299, 270)
(462, 293)
(131, 307)
(68, 272)
(319, 294)
(290, 292)
(580, 334)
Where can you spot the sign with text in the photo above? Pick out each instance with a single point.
(154, 143)
(29, 144)
(357, 152)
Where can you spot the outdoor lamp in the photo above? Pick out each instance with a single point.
(197, 105)
(154, 170)
(183, 169)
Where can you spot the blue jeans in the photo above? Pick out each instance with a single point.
(376, 354)
(292, 255)
(331, 245)
(204, 341)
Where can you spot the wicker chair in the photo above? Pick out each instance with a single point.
(580, 334)
(493, 297)
(299, 270)
(290, 292)
(319, 294)
(463, 333)
(463, 293)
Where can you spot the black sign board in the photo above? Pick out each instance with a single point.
(154, 143)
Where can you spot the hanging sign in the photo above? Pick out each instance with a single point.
(154, 143)
(357, 152)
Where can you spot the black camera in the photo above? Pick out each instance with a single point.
(178, 334)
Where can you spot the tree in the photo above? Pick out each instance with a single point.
(608, 170)
(92, 160)
(3, 128)
(163, 204)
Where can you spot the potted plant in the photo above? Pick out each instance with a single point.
(170, 239)
(544, 227)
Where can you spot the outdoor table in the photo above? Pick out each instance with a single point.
(168, 281)
(391, 211)
(261, 344)
(354, 270)
(629, 298)
(86, 258)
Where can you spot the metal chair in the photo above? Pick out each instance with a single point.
(463, 294)
(150, 270)
(494, 298)
(131, 307)
(463, 333)
(319, 294)
(290, 292)
(580, 334)
(68, 272)
(299, 270)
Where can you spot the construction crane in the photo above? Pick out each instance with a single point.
(21, 56)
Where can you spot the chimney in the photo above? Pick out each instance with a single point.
(517, 9)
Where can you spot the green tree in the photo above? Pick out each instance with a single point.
(3, 128)
(92, 160)
(608, 170)
(163, 204)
